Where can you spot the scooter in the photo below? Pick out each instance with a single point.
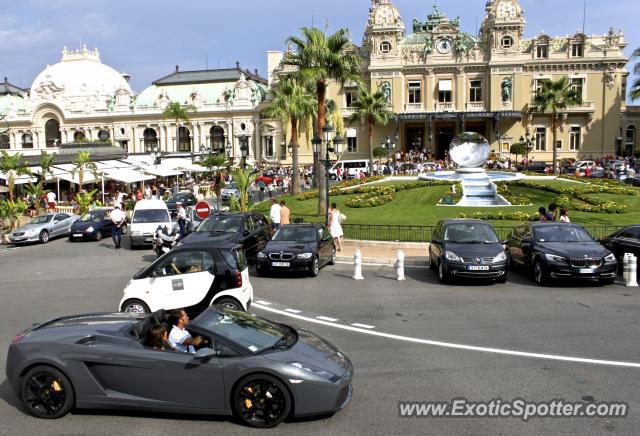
(165, 239)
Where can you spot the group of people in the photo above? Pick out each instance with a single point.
(553, 213)
(178, 339)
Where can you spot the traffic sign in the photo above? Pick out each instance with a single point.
(203, 209)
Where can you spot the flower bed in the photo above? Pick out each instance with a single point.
(593, 181)
(585, 189)
(511, 197)
(500, 216)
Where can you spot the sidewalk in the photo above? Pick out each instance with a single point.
(384, 253)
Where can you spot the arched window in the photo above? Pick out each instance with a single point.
(79, 136)
(4, 142)
(185, 139)
(52, 133)
(150, 139)
(217, 139)
(103, 135)
(27, 140)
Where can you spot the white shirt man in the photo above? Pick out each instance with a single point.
(51, 197)
(274, 214)
(147, 192)
(117, 216)
(179, 337)
(181, 212)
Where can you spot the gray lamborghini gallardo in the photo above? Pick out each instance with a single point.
(260, 371)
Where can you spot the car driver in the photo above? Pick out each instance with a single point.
(179, 338)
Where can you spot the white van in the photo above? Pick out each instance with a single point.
(147, 216)
(349, 168)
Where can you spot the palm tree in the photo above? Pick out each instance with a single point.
(244, 177)
(13, 167)
(374, 109)
(82, 164)
(635, 89)
(292, 102)
(553, 97)
(217, 164)
(46, 164)
(318, 59)
(177, 112)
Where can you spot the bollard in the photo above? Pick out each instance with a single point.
(357, 263)
(631, 267)
(400, 266)
(625, 268)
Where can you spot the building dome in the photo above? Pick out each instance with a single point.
(79, 74)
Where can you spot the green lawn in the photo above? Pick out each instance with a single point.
(419, 207)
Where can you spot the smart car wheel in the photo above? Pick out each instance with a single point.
(229, 303)
(134, 306)
(315, 267)
(44, 237)
(47, 393)
(261, 401)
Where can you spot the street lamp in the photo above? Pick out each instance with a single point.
(328, 139)
(156, 155)
(389, 145)
(229, 149)
(244, 149)
(290, 148)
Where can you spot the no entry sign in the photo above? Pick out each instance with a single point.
(203, 209)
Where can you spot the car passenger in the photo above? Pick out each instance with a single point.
(180, 338)
(159, 338)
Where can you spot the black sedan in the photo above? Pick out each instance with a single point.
(251, 230)
(298, 247)
(554, 251)
(467, 249)
(256, 369)
(186, 198)
(623, 241)
(93, 225)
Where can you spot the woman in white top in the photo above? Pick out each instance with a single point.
(564, 218)
(334, 225)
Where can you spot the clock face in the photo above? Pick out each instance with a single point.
(444, 45)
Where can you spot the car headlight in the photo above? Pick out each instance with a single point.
(305, 256)
(554, 258)
(610, 258)
(262, 255)
(450, 255)
(502, 257)
(315, 371)
(89, 229)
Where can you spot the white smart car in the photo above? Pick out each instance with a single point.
(193, 278)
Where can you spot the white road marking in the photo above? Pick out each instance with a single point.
(331, 323)
(266, 303)
(326, 318)
(363, 326)
(293, 310)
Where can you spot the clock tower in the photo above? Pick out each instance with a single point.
(503, 26)
(384, 33)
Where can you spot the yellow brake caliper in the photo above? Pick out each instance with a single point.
(247, 402)
(56, 386)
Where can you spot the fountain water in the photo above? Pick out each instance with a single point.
(470, 151)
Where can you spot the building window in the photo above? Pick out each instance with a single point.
(506, 42)
(475, 91)
(631, 138)
(575, 138)
(415, 92)
(445, 91)
(577, 84)
(79, 136)
(185, 139)
(349, 97)
(217, 139)
(623, 89)
(52, 133)
(542, 51)
(27, 140)
(103, 135)
(268, 146)
(150, 140)
(537, 85)
(559, 144)
(577, 49)
(385, 46)
(4, 142)
(352, 141)
(541, 139)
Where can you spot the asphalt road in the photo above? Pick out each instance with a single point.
(573, 322)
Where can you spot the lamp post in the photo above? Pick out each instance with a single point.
(328, 139)
(389, 145)
(244, 150)
(290, 148)
(156, 155)
(229, 149)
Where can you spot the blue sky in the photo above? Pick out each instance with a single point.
(149, 37)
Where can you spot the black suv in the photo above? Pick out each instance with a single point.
(250, 230)
(554, 250)
(467, 248)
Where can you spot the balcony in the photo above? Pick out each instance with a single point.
(414, 107)
(475, 106)
(347, 111)
(584, 107)
(444, 107)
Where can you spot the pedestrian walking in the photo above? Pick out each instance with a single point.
(334, 225)
(118, 220)
(274, 214)
(285, 214)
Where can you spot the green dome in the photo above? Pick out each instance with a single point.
(7, 102)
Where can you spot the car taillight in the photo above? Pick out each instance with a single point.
(18, 338)
(238, 279)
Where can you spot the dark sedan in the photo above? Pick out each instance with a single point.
(258, 370)
(554, 251)
(623, 241)
(186, 198)
(93, 225)
(467, 249)
(298, 247)
(249, 229)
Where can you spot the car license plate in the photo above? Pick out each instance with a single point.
(77, 235)
(281, 264)
(477, 268)
(148, 240)
(586, 270)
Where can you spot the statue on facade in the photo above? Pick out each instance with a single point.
(385, 88)
(506, 90)
(428, 46)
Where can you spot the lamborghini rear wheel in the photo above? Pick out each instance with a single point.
(46, 392)
(261, 401)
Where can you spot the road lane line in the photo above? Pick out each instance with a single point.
(293, 311)
(363, 326)
(323, 321)
(326, 318)
(266, 303)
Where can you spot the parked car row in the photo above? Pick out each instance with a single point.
(548, 251)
